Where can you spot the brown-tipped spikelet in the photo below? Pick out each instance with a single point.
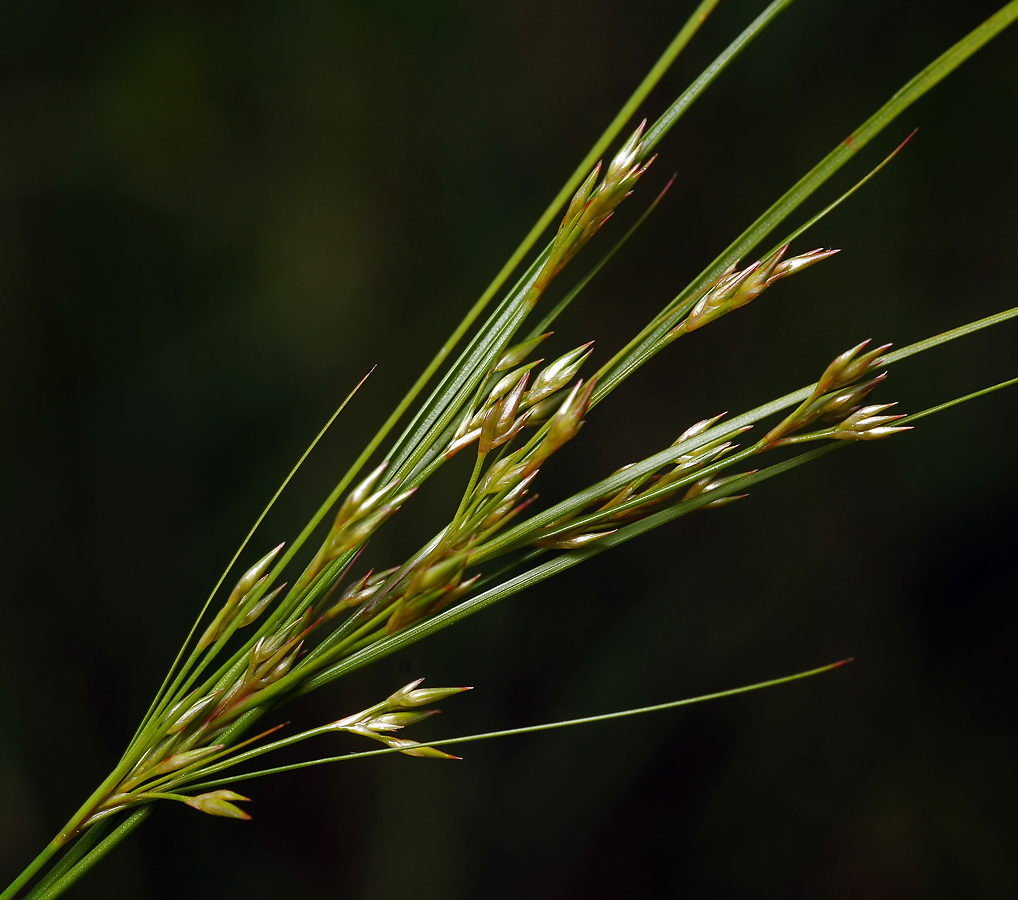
(835, 399)
(734, 289)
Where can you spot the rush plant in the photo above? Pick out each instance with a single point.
(307, 612)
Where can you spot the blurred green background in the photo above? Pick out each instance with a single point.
(215, 217)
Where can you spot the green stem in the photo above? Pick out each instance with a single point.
(530, 729)
(61, 884)
(71, 857)
(674, 112)
(30, 870)
(251, 754)
(915, 417)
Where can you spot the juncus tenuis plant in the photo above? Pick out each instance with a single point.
(312, 610)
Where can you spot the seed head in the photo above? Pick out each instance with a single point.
(398, 711)
(591, 207)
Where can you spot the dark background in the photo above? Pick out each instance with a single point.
(216, 217)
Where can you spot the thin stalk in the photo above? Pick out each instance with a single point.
(471, 483)
(957, 401)
(30, 871)
(531, 729)
(675, 112)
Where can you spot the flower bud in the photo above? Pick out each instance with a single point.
(866, 425)
(846, 369)
(567, 421)
(394, 721)
(580, 198)
(838, 404)
(508, 382)
(510, 406)
(252, 575)
(356, 497)
(698, 428)
(441, 573)
(255, 611)
(558, 374)
(217, 803)
(514, 355)
(179, 760)
(734, 289)
(249, 580)
(464, 440)
(410, 695)
(189, 715)
(800, 262)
